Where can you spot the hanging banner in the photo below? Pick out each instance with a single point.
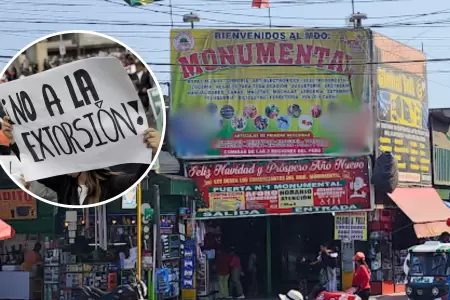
(350, 226)
(402, 124)
(252, 188)
(17, 205)
(271, 92)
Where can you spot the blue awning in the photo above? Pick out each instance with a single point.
(447, 203)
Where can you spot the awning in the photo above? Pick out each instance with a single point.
(425, 208)
(6, 231)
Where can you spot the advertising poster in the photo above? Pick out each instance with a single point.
(243, 188)
(17, 205)
(440, 131)
(250, 93)
(402, 125)
(350, 226)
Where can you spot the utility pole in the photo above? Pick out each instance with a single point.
(357, 19)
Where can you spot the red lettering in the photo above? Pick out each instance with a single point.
(245, 54)
(226, 55)
(265, 53)
(322, 53)
(336, 63)
(304, 56)
(209, 60)
(286, 53)
(190, 66)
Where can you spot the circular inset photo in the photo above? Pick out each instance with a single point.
(212, 108)
(294, 110)
(227, 112)
(283, 122)
(238, 123)
(250, 111)
(81, 130)
(261, 122)
(272, 111)
(305, 122)
(316, 111)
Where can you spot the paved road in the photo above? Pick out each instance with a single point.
(390, 297)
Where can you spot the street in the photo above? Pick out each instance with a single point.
(390, 297)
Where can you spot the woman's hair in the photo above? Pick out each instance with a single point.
(93, 179)
(362, 262)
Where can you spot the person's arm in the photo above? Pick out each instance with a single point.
(42, 191)
(56, 183)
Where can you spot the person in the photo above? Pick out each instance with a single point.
(142, 79)
(223, 260)
(37, 188)
(252, 272)
(444, 237)
(291, 295)
(361, 278)
(89, 187)
(32, 258)
(236, 272)
(302, 270)
(328, 264)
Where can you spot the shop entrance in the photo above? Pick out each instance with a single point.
(248, 237)
(290, 238)
(294, 237)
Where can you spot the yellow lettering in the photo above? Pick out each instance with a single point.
(384, 148)
(402, 165)
(415, 167)
(398, 142)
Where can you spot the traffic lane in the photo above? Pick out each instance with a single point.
(390, 297)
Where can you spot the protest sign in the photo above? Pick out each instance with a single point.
(157, 108)
(81, 116)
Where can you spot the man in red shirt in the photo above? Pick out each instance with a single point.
(236, 272)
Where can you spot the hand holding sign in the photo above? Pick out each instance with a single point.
(59, 131)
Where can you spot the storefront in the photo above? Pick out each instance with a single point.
(403, 220)
(269, 208)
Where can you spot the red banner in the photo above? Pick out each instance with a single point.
(283, 186)
(260, 4)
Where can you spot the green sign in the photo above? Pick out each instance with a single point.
(444, 194)
(148, 214)
(262, 212)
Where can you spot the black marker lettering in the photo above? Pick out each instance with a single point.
(91, 140)
(55, 100)
(65, 138)
(69, 133)
(85, 85)
(116, 138)
(30, 147)
(28, 106)
(18, 110)
(38, 138)
(46, 129)
(129, 124)
(100, 142)
(77, 103)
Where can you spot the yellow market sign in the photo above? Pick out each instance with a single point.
(350, 226)
(17, 205)
(269, 92)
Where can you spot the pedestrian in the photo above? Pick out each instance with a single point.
(252, 273)
(236, 273)
(302, 270)
(92, 186)
(328, 264)
(361, 278)
(32, 258)
(223, 261)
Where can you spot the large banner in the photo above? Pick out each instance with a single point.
(243, 188)
(350, 226)
(17, 205)
(402, 125)
(271, 92)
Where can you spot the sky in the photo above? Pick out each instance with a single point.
(146, 29)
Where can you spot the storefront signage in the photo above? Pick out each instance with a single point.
(402, 125)
(252, 188)
(17, 205)
(227, 101)
(350, 226)
(188, 267)
(129, 199)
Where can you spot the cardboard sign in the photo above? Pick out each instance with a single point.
(81, 116)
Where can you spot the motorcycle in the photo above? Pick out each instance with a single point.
(133, 291)
(319, 293)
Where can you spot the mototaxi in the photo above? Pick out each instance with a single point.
(427, 269)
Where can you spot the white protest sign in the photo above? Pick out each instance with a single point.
(81, 116)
